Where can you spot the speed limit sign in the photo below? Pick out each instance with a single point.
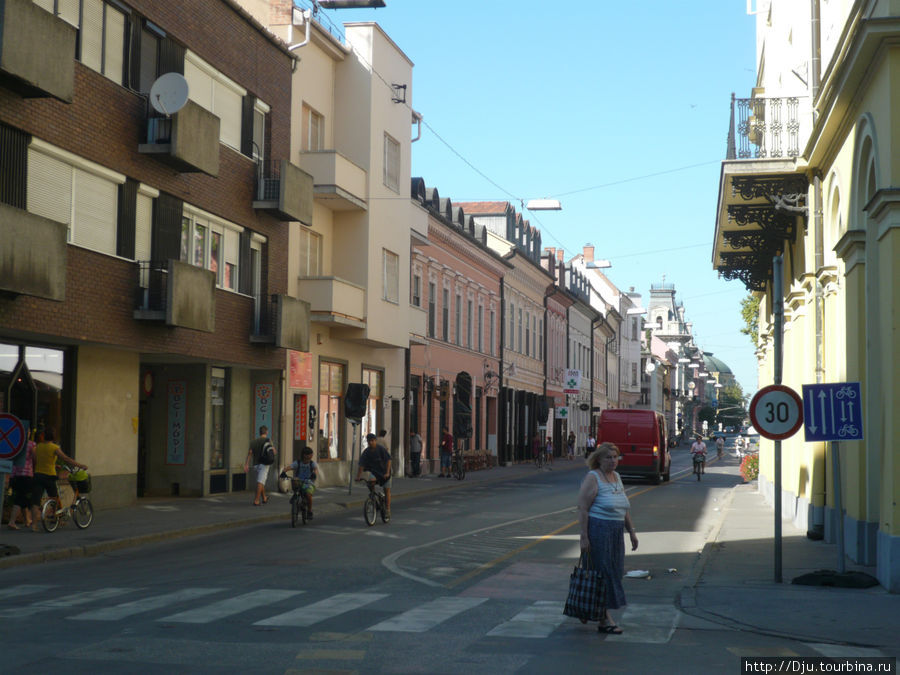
(776, 412)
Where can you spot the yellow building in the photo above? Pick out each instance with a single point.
(810, 170)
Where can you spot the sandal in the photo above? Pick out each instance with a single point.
(609, 629)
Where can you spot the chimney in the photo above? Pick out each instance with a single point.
(588, 253)
(559, 255)
(550, 252)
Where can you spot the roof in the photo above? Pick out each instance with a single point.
(715, 365)
(483, 208)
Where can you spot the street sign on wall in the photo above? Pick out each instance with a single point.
(776, 412)
(572, 383)
(832, 412)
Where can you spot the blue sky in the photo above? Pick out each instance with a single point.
(619, 109)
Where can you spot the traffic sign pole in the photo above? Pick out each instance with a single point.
(778, 310)
(838, 503)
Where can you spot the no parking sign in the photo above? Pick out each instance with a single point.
(12, 440)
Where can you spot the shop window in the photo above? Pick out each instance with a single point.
(331, 400)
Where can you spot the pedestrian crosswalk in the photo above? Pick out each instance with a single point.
(508, 618)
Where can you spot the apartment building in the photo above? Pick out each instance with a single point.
(823, 146)
(145, 309)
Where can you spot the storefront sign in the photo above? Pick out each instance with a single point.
(572, 383)
(263, 400)
(177, 416)
(300, 417)
(300, 369)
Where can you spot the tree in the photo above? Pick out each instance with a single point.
(750, 315)
(732, 405)
(707, 414)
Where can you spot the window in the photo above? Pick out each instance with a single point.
(212, 243)
(432, 310)
(540, 353)
(417, 291)
(481, 328)
(519, 349)
(74, 191)
(534, 341)
(458, 327)
(372, 422)
(468, 324)
(391, 163)
(310, 253)
(331, 393)
(512, 326)
(149, 60)
(101, 35)
(391, 276)
(260, 110)
(445, 315)
(634, 329)
(528, 333)
(491, 334)
(313, 130)
(218, 94)
(633, 374)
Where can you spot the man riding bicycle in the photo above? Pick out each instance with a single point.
(306, 471)
(698, 454)
(377, 462)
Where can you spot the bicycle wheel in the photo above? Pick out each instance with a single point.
(50, 516)
(303, 510)
(385, 514)
(295, 510)
(369, 511)
(83, 513)
(460, 470)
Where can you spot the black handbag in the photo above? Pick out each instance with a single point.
(587, 592)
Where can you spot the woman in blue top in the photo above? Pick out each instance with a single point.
(603, 516)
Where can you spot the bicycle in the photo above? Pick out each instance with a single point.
(299, 505)
(539, 459)
(81, 510)
(698, 465)
(458, 466)
(375, 503)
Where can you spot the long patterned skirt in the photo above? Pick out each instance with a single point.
(607, 539)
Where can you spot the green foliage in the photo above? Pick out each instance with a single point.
(750, 468)
(750, 315)
(732, 405)
(707, 414)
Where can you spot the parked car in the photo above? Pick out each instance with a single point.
(642, 439)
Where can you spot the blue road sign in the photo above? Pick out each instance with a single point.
(12, 436)
(832, 412)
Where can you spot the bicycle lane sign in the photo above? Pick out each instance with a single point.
(833, 412)
(776, 412)
(12, 440)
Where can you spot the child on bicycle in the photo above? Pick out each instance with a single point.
(306, 471)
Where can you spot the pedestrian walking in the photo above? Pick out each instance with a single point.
(570, 445)
(20, 482)
(262, 454)
(415, 452)
(603, 515)
(446, 450)
(591, 444)
(720, 446)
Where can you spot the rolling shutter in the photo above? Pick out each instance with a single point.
(227, 107)
(92, 34)
(143, 227)
(45, 4)
(49, 187)
(200, 85)
(114, 53)
(67, 10)
(95, 212)
(171, 57)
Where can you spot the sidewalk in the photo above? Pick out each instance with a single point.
(156, 520)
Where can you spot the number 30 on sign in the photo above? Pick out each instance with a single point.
(776, 412)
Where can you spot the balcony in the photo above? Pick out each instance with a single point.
(176, 293)
(418, 325)
(284, 190)
(282, 321)
(762, 186)
(338, 183)
(334, 301)
(33, 255)
(37, 51)
(188, 141)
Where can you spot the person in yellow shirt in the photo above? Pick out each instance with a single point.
(46, 454)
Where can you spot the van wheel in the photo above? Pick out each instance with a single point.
(667, 474)
(657, 479)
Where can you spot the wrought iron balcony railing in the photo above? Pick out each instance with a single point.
(764, 128)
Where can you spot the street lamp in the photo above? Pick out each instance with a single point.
(351, 4)
(543, 205)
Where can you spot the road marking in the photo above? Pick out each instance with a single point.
(144, 605)
(333, 655)
(846, 651)
(231, 606)
(653, 624)
(537, 621)
(23, 589)
(66, 601)
(322, 610)
(427, 616)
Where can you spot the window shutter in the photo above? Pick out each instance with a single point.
(166, 239)
(200, 85)
(227, 107)
(67, 10)
(94, 221)
(171, 57)
(247, 125)
(45, 4)
(49, 187)
(143, 227)
(114, 53)
(13, 166)
(147, 57)
(244, 272)
(125, 235)
(92, 34)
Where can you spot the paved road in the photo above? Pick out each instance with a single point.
(471, 580)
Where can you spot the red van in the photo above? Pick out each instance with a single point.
(641, 436)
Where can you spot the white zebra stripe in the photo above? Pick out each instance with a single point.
(65, 601)
(427, 616)
(144, 605)
(536, 621)
(322, 610)
(231, 606)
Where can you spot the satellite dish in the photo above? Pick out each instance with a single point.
(169, 93)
